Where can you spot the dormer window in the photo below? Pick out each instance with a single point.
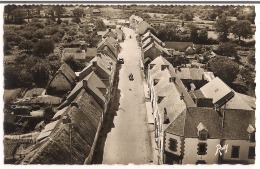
(251, 133)
(202, 131)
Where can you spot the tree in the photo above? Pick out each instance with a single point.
(251, 57)
(227, 49)
(48, 113)
(203, 35)
(40, 73)
(7, 47)
(58, 10)
(100, 26)
(212, 16)
(78, 12)
(242, 28)
(18, 15)
(26, 45)
(193, 32)
(224, 68)
(223, 26)
(43, 48)
(74, 64)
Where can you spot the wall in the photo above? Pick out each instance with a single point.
(243, 151)
(190, 151)
(153, 52)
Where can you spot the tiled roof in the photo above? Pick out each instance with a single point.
(11, 94)
(34, 92)
(179, 46)
(110, 33)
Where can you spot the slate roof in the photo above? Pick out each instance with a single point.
(178, 46)
(103, 69)
(190, 73)
(142, 27)
(150, 35)
(159, 47)
(93, 83)
(216, 89)
(91, 52)
(237, 102)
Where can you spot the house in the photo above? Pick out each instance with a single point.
(84, 114)
(12, 94)
(193, 136)
(149, 41)
(88, 11)
(152, 51)
(149, 35)
(191, 76)
(223, 96)
(63, 80)
(96, 12)
(120, 34)
(76, 53)
(103, 66)
(94, 87)
(142, 27)
(134, 21)
(109, 46)
(186, 47)
(110, 33)
(188, 126)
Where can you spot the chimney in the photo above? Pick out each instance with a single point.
(164, 67)
(160, 53)
(165, 117)
(176, 70)
(74, 104)
(172, 79)
(85, 84)
(94, 65)
(181, 96)
(159, 99)
(151, 66)
(109, 29)
(98, 54)
(179, 68)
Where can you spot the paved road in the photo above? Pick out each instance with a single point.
(129, 139)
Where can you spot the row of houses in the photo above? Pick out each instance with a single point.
(152, 46)
(211, 124)
(198, 119)
(75, 126)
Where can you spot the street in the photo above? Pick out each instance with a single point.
(128, 141)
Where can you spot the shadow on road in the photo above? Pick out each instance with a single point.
(108, 120)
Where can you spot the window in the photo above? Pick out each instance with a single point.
(202, 148)
(251, 152)
(172, 144)
(252, 137)
(235, 152)
(203, 135)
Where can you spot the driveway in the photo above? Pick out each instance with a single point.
(129, 140)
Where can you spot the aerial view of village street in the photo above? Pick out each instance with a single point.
(129, 84)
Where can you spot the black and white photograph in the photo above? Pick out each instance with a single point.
(104, 84)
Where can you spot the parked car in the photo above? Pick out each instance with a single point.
(120, 61)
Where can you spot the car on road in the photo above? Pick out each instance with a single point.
(120, 61)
